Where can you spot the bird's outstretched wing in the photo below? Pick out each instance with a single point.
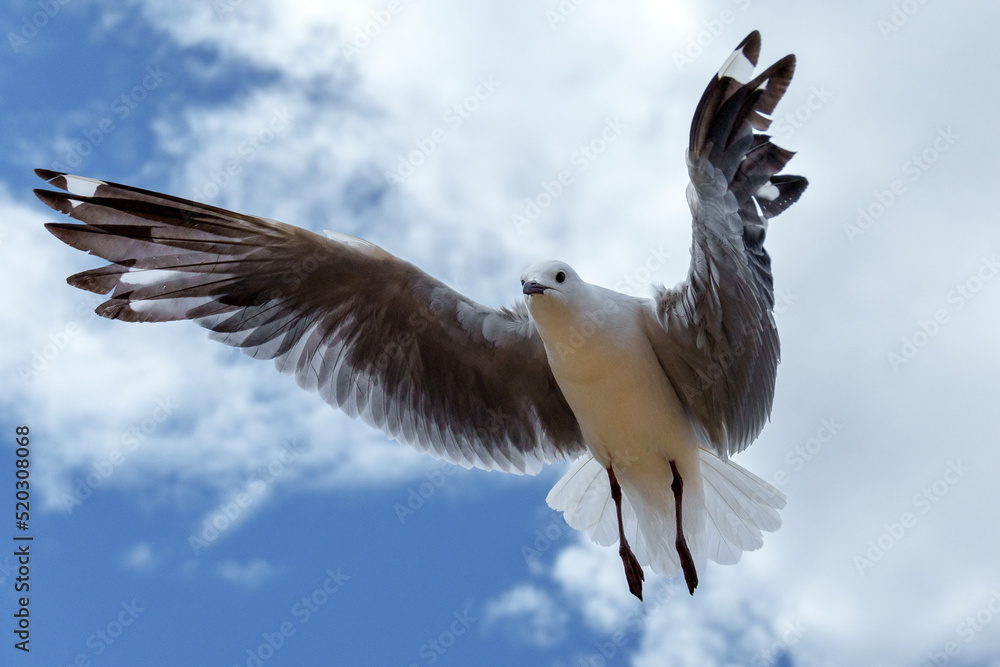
(374, 335)
(714, 334)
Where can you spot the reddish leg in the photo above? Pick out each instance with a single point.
(687, 563)
(633, 571)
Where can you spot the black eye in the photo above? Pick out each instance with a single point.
(561, 277)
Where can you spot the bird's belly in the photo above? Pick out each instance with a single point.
(630, 412)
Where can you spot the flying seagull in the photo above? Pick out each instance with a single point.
(652, 395)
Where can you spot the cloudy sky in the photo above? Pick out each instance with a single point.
(432, 129)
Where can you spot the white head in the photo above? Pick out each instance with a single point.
(551, 278)
(552, 288)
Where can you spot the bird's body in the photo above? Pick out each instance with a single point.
(630, 416)
(603, 360)
(623, 401)
(651, 395)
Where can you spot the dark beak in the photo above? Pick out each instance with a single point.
(534, 287)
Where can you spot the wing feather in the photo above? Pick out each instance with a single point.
(715, 334)
(374, 335)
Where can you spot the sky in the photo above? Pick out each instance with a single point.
(190, 506)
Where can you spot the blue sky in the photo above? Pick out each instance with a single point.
(431, 136)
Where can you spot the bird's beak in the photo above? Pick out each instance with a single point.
(534, 287)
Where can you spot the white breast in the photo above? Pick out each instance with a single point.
(611, 378)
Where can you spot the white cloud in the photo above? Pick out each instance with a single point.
(591, 577)
(530, 613)
(732, 619)
(250, 575)
(141, 558)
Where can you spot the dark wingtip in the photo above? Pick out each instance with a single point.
(790, 188)
(118, 309)
(63, 231)
(48, 174)
(751, 47)
(101, 280)
(778, 76)
(54, 200)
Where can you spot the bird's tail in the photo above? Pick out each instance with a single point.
(723, 518)
(731, 108)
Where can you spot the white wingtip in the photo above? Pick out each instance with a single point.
(140, 277)
(738, 67)
(168, 309)
(80, 185)
(768, 191)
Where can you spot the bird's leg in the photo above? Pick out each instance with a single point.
(687, 562)
(633, 571)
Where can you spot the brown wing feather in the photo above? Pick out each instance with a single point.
(376, 336)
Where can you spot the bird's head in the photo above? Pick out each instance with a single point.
(551, 278)
(552, 287)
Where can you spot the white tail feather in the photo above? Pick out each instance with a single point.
(584, 496)
(740, 505)
(737, 506)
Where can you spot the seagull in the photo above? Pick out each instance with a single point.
(650, 396)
